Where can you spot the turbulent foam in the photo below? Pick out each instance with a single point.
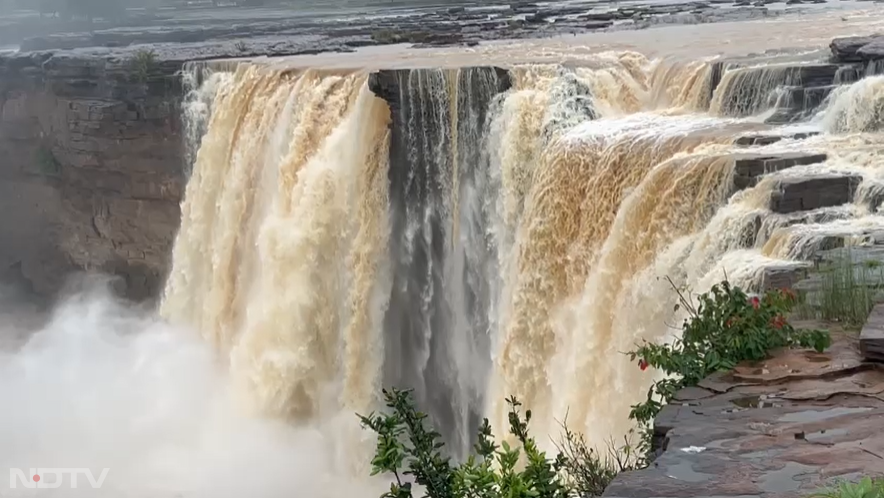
(855, 108)
(745, 91)
(278, 259)
(103, 385)
(800, 242)
(580, 187)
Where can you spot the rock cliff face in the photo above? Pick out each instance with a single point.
(92, 159)
(90, 167)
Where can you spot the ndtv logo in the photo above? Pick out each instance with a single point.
(53, 477)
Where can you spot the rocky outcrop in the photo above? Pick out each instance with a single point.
(857, 48)
(767, 139)
(871, 338)
(91, 169)
(779, 428)
(749, 169)
(782, 276)
(807, 193)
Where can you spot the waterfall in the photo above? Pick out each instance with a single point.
(201, 81)
(856, 108)
(437, 323)
(279, 260)
(481, 232)
(470, 233)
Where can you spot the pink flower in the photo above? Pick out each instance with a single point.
(755, 302)
(778, 322)
(643, 364)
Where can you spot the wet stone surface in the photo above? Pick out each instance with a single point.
(749, 168)
(779, 428)
(871, 339)
(808, 193)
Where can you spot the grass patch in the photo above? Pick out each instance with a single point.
(587, 471)
(143, 63)
(47, 165)
(865, 488)
(386, 36)
(846, 293)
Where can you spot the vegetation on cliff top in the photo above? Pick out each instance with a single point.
(724, 328)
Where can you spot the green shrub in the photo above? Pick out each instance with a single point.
(143, 63)
(405, 447)
(46, 162)
(726, 327)
(865, 488)
(386, 36)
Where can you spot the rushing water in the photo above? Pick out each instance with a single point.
(508, 238)
(474, 234)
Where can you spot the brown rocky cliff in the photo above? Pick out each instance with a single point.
(91, 161)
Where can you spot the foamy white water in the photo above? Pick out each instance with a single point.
(104, 385)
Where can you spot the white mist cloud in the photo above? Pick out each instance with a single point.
(105, 386)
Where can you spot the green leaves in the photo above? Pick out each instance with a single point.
(865, 488)
(404, 442)
(724, 328)
(406, 447)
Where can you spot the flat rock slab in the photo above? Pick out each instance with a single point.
(749, 168)
(761, 139)
(779, 428)
(782, 276)
(847, 49)
(871, 339)
(872, 51)
(804, 194)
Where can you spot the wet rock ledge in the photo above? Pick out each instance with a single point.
(780, 428)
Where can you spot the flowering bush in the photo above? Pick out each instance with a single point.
(724, 329)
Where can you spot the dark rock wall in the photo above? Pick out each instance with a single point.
(90, 168)
(865, 51)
